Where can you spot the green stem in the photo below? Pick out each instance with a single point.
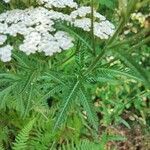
(119, 29)
(97, 59)
(92, 27)
(67, 59)
(131, 6)
(95, 62)
(134, 38)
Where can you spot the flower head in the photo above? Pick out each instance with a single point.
(36, 25)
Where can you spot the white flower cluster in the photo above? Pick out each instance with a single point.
(102, 27)
(36, 25)
(5, 53)
(3, 38)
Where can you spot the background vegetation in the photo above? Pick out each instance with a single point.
(94, 96)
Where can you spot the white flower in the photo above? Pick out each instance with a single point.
(36, 25)
(5, 53)
(102, 28)
(84, 11)
(84, 23)
(3, 27)
(65, 42)
(3, 38)
(30, 43)
(50, 47)
(81, 12)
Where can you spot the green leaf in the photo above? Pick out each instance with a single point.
(133, 66)
(51, 75)
(71, 95)
(124, 122)
(82, 145)
(86, 103)
(23, 137)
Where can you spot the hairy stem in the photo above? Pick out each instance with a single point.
(131, 6)
(97, 59)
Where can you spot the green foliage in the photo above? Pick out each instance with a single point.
(83, 145)
(75, 94)
(108, 3)
(1, 147)
(88, 108)
(23, 137)
(88, 145)
(129, 62)
(71, 95)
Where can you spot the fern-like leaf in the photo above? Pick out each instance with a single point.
(23, 137)
(129, 62)
(113, 73)
(71, 94)
(82, 145)
(87, 105)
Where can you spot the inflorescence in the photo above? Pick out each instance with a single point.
(36, 25)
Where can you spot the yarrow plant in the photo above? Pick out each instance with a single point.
(36, 25)
(68, 74)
